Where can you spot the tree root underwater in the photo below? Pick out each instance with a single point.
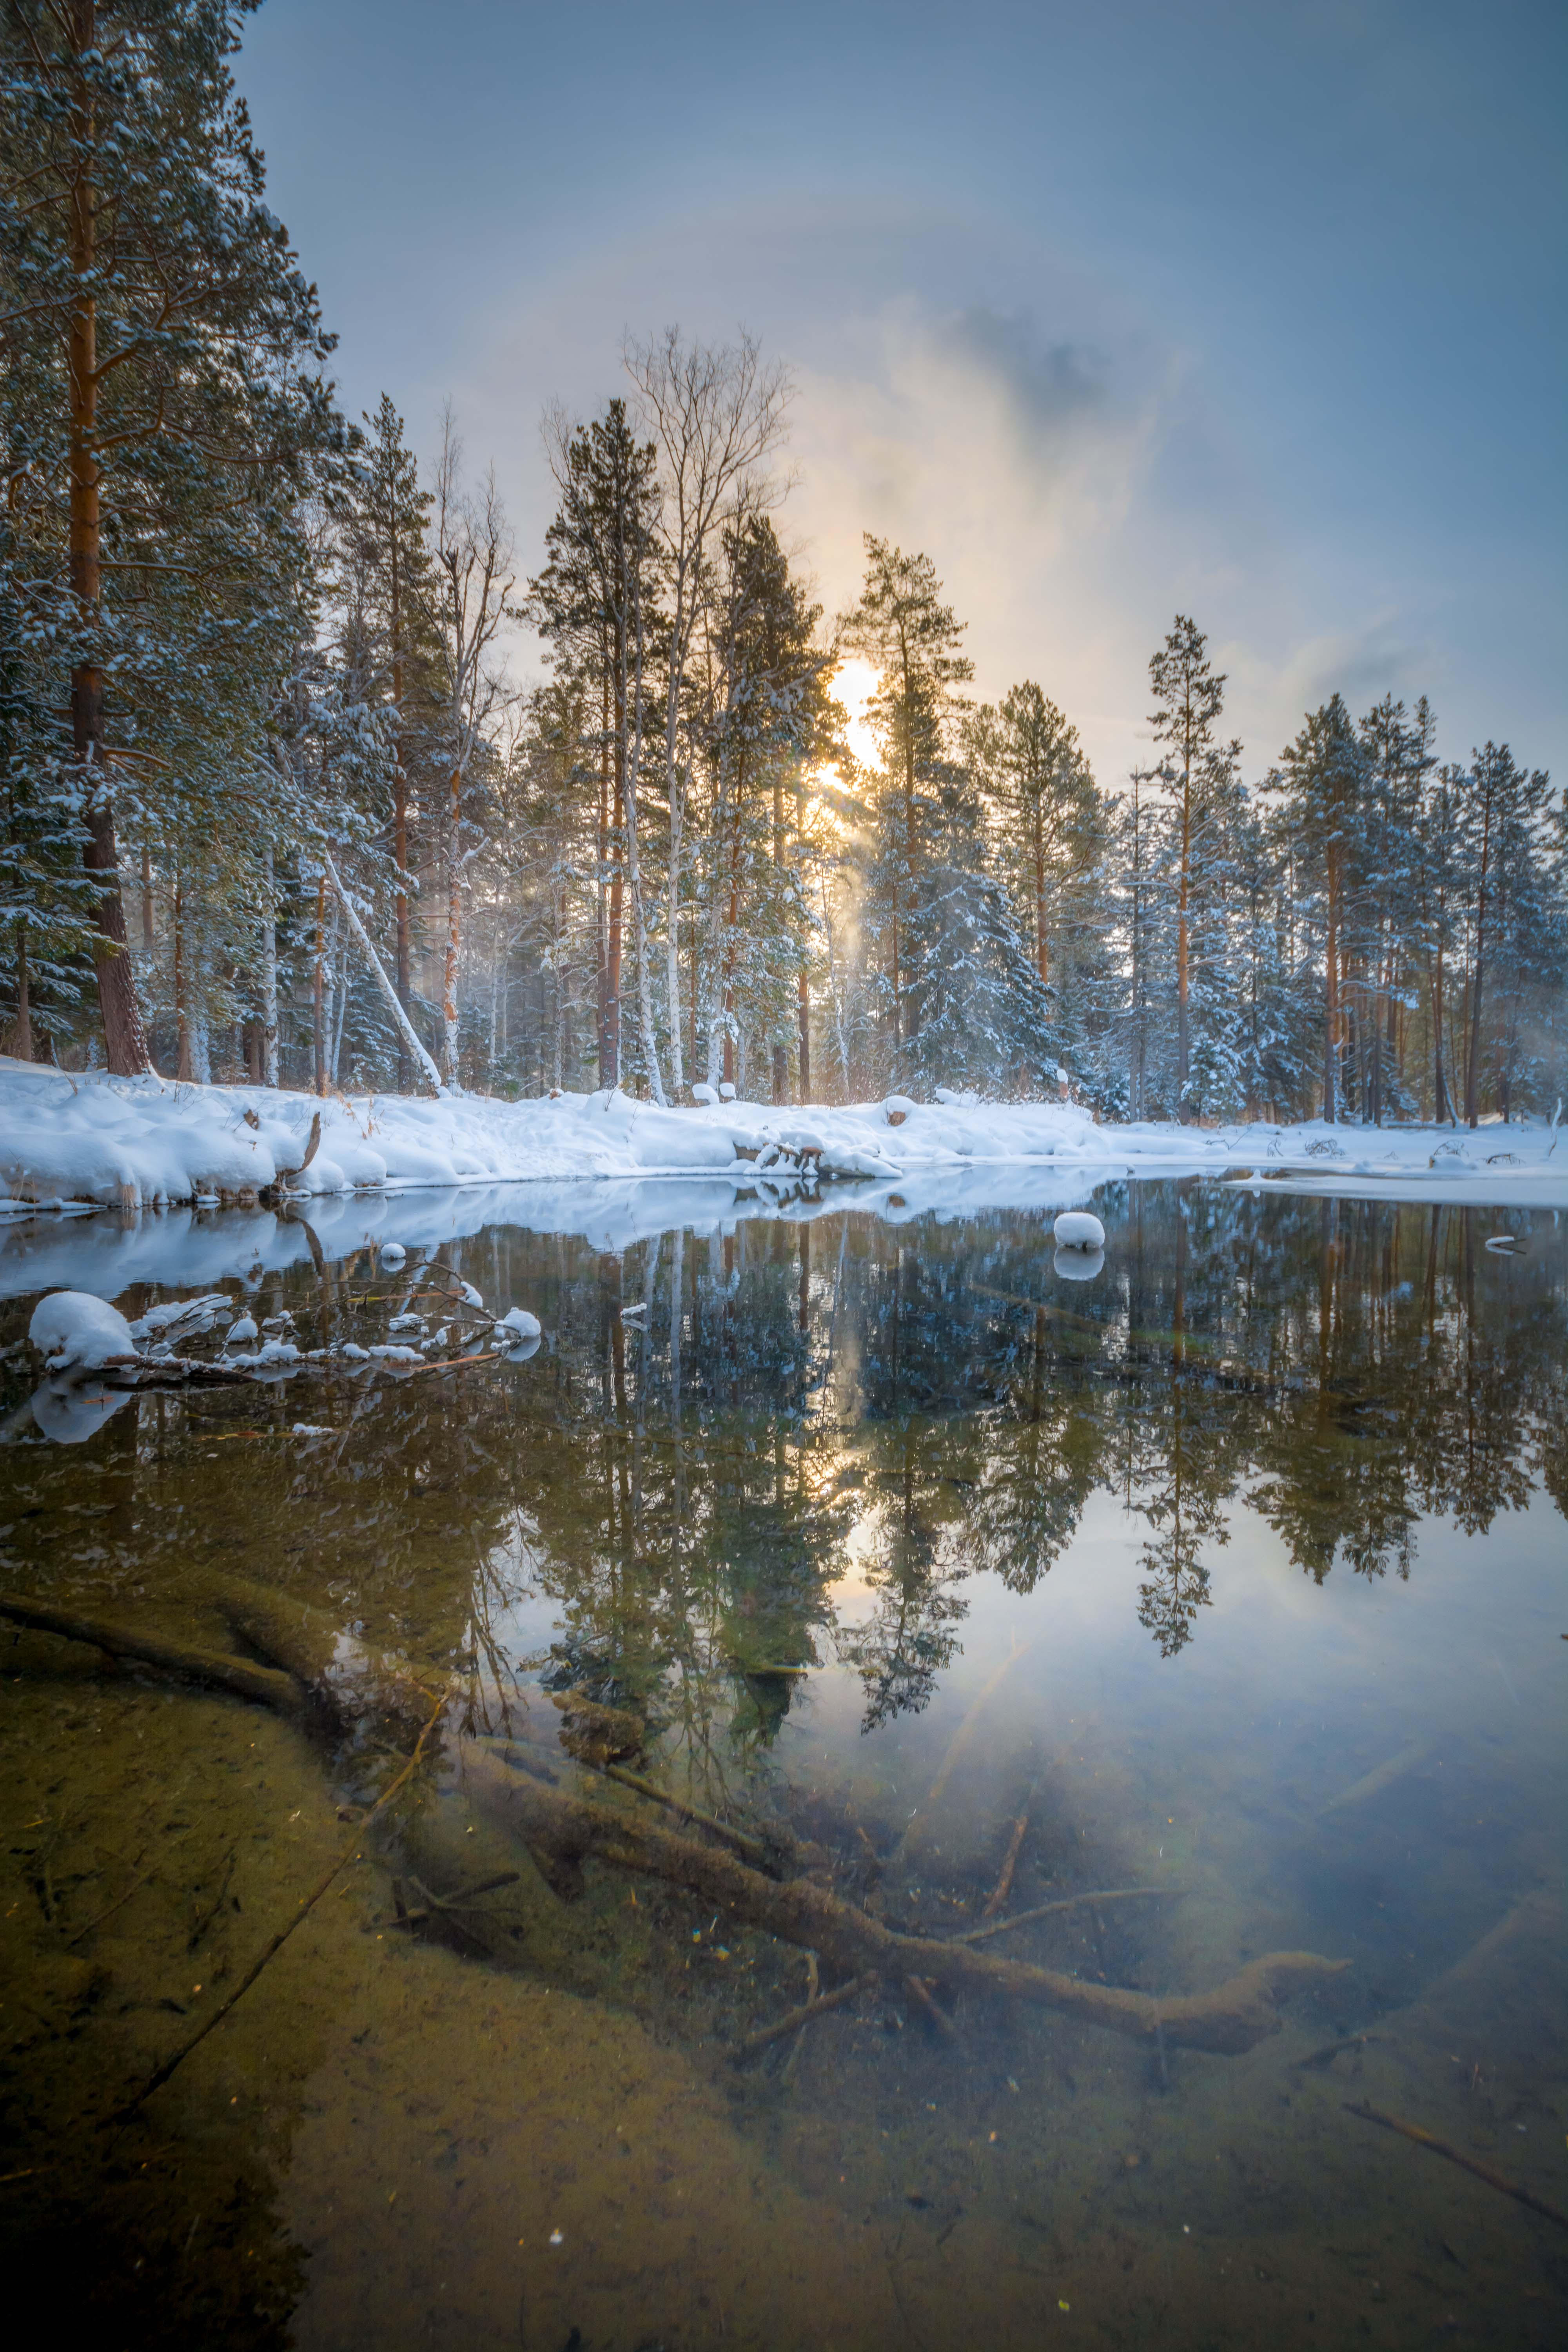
(563, 1830)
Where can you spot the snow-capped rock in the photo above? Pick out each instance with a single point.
(1078, 1229)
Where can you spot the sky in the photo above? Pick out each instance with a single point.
(1254, 313)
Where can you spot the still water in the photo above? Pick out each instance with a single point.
(1226, 1588)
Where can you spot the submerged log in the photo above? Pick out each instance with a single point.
(567, 1830)
(352, 1680)
(262, 1685)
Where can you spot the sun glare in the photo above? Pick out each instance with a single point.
(854, 684)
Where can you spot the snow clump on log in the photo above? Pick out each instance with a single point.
(74, 1332)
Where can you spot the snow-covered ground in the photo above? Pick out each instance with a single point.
(76, 1144)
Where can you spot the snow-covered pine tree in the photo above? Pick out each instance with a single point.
(596, 605)
(764, 715)
(1503, 827)
(1189, 696)
(1398, 756)
(981, 1015)
(169, 357)
(1322, 779)
(910, 638)
(387, 527)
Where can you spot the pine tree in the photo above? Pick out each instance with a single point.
(1188, 698)
(1323, 776)
(171, 355)
(765, 715)
(982, 1017)
(596, 605)
(387, 525)
(910, 638)
(1504, 818)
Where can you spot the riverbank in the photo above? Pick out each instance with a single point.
(73, 1144)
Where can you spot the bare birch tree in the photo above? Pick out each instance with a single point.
(715, 413)
(473, 577)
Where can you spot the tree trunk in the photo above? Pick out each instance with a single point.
(601, 902)
(270, 983)
(318, 1023)
(1183, 1032)
(400, 813)
(1473, 1058)
(1330, 992)
(1041, 955)
(677, 828)
(124, 1039)
(22, 1029)
(184, 1070)
(781, 1051)
(612, 1062)
(454, 927)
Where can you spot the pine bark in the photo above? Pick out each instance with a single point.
(1478, 985)
(124, 1038)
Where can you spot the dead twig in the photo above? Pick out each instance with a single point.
(796, 2020)
(751, 1848)
(919, 1994)
(960, 1741)
(1371, 2114)
(1003, 1887)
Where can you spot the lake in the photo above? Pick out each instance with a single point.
(823, 1573)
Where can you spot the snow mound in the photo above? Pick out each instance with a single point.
(74, 1332)
(1077, 1229)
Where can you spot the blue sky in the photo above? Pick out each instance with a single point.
(1252, 312)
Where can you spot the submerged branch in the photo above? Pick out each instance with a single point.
(1232, 2018)
(263, 1684)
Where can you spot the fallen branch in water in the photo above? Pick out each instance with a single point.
(352, 1681)
(1068, 1903)
(796, 2020)
(262, 1685)
(308, 1903)
(749, 1848)
(1371, 2114)
(921, 1998)
(567, 1828)
(1003, 1887)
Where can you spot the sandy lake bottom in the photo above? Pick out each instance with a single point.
(1211, 1607)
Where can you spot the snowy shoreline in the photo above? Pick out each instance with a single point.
(71, 1145)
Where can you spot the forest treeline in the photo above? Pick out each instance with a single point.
(280, 804)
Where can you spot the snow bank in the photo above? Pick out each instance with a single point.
(82, 1144)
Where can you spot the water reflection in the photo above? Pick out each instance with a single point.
(914, 1461)
(726, 1436)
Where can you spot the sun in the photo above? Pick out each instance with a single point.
(852, 684)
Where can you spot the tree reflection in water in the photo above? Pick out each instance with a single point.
(800, 1439)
